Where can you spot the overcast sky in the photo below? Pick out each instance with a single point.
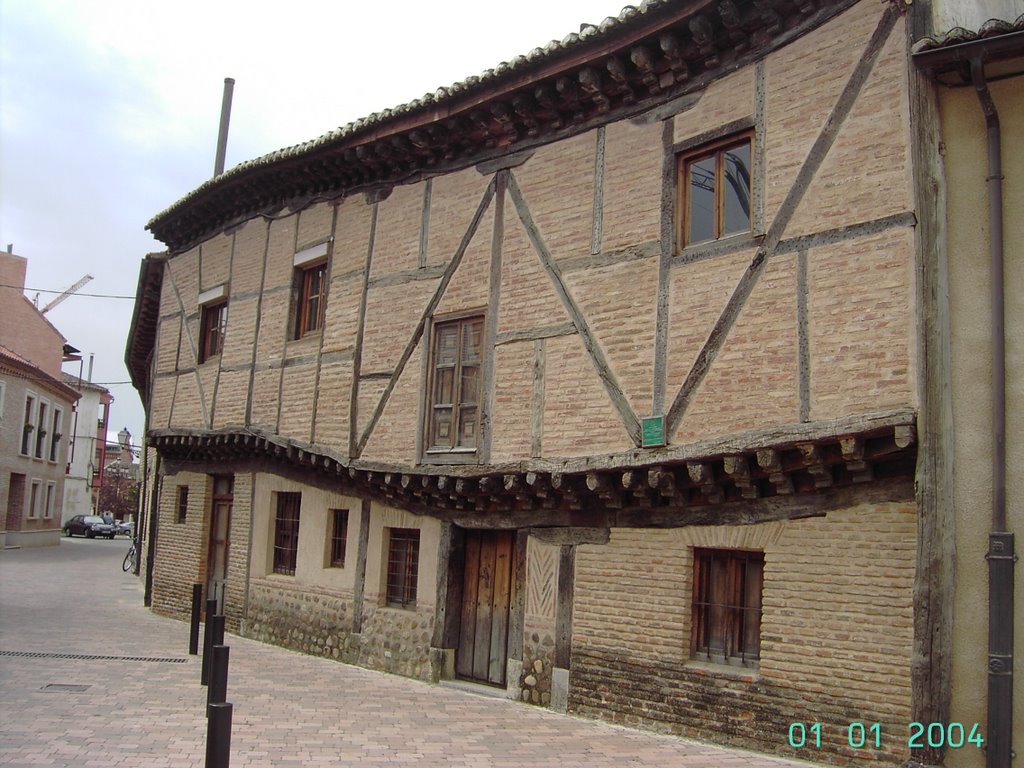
(109, 111)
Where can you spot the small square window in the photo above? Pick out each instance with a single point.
(403, 567)
(715, 184)
(212, 328)
(182, 504)
(311, 297)
(286, 533)
(339, 538)
(727, 606)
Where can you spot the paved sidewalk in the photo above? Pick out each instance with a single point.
(147, 708)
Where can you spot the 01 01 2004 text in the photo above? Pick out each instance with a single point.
(869, 735)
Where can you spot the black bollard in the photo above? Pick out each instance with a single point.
(218, 735)
(217, 692)
(197, 606)
(211, 609)
(218, 630)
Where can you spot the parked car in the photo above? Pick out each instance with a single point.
(123, 527)
(90, 526)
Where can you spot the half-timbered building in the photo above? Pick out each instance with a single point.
(595, 379)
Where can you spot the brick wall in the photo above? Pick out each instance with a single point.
(180, 558)
(836, 633)
(857, 293)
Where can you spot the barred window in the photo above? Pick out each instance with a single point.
(182, 504)
(727, 605)
(403, 565)
(286, 533)
(339, 538)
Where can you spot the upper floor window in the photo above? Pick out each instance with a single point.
(211, 334)
(727, 605)
(56, 432)
(309, 290)
(454, 398)
(311, 284)
(213, 308)
(41, 431)
(29, 425)
(715, 184)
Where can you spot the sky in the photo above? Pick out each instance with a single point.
(109, 112)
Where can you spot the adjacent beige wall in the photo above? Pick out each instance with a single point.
(963, 131)
(314, 520)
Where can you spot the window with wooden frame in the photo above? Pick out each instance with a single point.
(181, 504)
(339, 538)
(311, 298)
(212, 327)
(403, 566)
(286, 533)
(714, 185)
(727, 606)
(455, 381)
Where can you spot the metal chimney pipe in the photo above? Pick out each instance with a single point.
(225, 118)
(92, 357)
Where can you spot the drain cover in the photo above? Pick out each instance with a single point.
(64, 688)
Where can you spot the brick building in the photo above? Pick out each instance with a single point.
(598, 379)
(35, 411)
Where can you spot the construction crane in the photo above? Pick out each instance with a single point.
(73, 289)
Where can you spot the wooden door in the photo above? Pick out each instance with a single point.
(220, 525)
(486, 599)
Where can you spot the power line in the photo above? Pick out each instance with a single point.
(47, 290)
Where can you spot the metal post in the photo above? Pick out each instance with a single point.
(225, 119)
(217, 692)
(211, 609)
(217, 638)
(197, 605)
(218, 735)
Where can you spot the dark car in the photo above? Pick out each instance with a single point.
(88, 525)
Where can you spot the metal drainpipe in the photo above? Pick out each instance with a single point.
(1000, 555)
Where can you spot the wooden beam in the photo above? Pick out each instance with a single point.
(619, 401)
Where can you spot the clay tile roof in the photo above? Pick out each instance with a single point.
(588, 33)
(959, 35)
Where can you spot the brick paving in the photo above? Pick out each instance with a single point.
(289, 709)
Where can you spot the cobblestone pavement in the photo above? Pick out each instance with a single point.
(145, 706)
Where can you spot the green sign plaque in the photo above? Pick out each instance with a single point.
(653, 434)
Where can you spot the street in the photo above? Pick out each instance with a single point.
(141, 704)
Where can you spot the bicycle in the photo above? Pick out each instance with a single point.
(131, 559)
